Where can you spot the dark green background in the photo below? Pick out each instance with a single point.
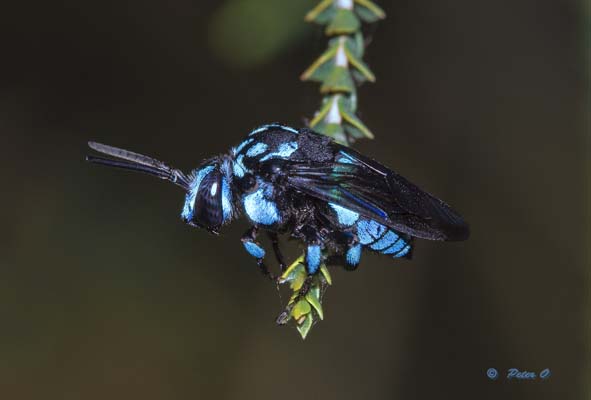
(104, 293)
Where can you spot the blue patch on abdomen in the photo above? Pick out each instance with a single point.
(344, 215)
(382, 239)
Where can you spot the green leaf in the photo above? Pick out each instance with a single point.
(327, 56)
(298, 281)
(353, 133)
(350, 102)
(322, 13)
(365, 15)
(301, 308)
(359, 65)
(305, 326)
(356, 123)
(315, 289)
(324, 109)
(357, 76)
(369, 11)
(355, 44)
(314, 301)
(344, 22)
(294, 271)
(323, 71)
(338, 80)
(350, 118)
(334, 131)
(326, 274)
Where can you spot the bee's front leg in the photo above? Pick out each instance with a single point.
(256, 250)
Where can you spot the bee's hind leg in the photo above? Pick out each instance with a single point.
(256, 250)
(314, 246)
(349, 254)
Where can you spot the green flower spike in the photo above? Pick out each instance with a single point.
(305, 303)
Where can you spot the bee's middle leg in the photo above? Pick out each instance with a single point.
(314, 247)
(277, 250)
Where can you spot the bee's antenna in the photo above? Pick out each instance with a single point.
(137, 162)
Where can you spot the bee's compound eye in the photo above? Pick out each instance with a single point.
(248, 183)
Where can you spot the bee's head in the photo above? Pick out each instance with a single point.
(208, 203)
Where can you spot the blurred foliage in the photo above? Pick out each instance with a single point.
(246, 33)
(339, 70)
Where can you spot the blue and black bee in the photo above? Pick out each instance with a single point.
(303, 184)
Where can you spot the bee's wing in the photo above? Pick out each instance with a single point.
(374, 191)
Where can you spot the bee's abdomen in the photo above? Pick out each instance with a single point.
(382, 239)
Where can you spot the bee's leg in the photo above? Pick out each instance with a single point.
(314, 257)
(278, 255)
(352, 256)
(254, 249)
